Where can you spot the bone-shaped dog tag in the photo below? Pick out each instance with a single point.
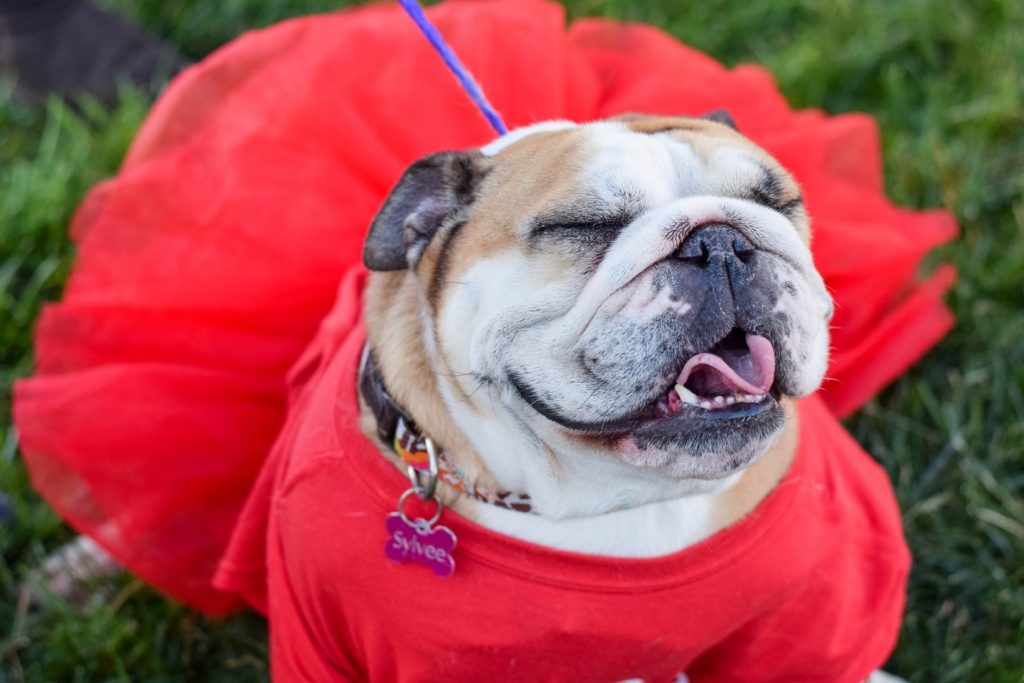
(416, 540)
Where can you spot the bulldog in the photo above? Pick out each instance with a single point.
(610, 317)
(606, 323)
(593, 336)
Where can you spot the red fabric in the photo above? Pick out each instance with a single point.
(206, 266)
(810, 587)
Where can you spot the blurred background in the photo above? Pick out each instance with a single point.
(946, 82)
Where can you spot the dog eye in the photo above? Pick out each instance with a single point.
(768, 192)
(787, 208)
(604, 228)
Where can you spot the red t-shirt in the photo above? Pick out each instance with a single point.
(809, 587)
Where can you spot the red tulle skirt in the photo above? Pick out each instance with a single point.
(206, 265)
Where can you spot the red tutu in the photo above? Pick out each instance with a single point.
(207, 265)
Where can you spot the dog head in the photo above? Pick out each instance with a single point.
(632, 297)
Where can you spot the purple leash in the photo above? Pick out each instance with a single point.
(451, 60)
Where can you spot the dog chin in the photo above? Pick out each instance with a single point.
(704, 446)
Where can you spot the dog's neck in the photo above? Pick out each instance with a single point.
(593, 506)
(395, 333)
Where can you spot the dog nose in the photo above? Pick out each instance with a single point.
(714, 242)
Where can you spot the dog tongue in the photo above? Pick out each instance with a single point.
(748, 371)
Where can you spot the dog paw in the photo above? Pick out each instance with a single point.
(70, 573)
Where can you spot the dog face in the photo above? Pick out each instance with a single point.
(633, 292)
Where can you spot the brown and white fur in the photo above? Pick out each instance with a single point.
(535, 297)
(549, 270)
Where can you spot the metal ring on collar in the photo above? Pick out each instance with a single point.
(401, 511)
(425, 490)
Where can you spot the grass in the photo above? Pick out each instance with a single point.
(946, 81)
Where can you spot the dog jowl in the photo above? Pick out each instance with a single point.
(633, 296)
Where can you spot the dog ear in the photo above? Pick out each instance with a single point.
(429, 193)
(721, 116)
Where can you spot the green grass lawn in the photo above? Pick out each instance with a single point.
(946, 81)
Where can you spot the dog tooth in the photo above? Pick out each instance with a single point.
(730, 400)
(719, 400)
(686, 395)
(706, 405)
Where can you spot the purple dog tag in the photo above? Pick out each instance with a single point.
(415, 540)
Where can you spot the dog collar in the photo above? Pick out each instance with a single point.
(399, 431)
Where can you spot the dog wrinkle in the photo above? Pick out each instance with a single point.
(446, 374)
(440, 267)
